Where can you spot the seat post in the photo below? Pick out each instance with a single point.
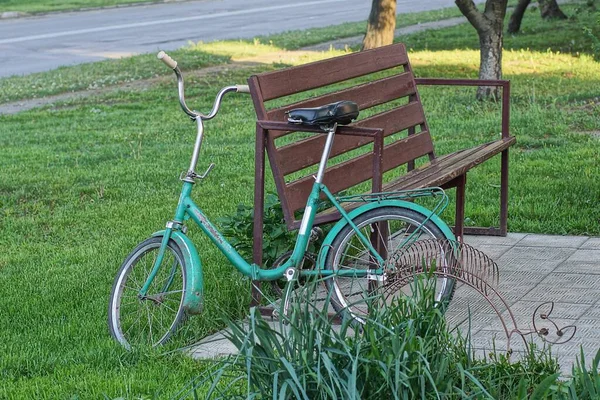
(326, 150)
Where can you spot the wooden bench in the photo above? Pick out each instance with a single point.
(382, 83)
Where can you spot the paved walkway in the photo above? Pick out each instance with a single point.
(534, 269)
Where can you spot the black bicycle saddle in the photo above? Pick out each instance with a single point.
(341, 112)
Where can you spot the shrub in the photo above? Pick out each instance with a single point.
(595, 41)
(238, 229)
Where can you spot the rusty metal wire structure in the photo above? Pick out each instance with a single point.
(463, 263)
(446, 258)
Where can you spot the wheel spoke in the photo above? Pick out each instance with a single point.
(388, 229)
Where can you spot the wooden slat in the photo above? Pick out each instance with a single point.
(448, 167)
(397, 119)
(391, 121)
(304, 153)
(442, 170)
(360, 169)
(366, 95)
(310, 76)
(307, 152)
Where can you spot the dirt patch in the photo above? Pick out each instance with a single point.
(28, 104)
(593, 134)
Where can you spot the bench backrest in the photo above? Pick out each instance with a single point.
(392, 94)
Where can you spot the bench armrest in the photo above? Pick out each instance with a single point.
(478, 82)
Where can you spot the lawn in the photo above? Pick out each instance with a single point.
(39, 6)
(82, 183)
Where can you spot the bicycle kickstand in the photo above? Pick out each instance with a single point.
(291, 275)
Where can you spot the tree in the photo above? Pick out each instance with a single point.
(489, 25)
(548, 9)
(381, 24)
(514, 24)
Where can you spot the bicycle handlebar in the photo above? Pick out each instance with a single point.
(169, 62)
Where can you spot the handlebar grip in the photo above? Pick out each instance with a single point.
(243, 88)
(169, 62)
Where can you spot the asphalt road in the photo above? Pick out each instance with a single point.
(45, 42)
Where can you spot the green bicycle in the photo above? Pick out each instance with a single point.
(161, 279)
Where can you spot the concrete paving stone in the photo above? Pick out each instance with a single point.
(574, 281)
(579, 267)
(585, 322)
(213, 346)
(476, 323)
(543, 293)
(568, 352)
(478, 302)
(552, 241)
(507, 288)
(483, 241)
(490, 339)
(524, 277)
(538, 259)
(591, 243)
(493, 251)
(478, 320)
(587, 332)
(593, 312)
(585, 255)
(473, 302)
(523, 310)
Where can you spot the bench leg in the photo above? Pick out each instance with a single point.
(460, 207)
(504, 193)
(259, 201)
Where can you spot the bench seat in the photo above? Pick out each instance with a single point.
(438, 172)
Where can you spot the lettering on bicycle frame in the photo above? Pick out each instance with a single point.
(209, 227)
(305, 219)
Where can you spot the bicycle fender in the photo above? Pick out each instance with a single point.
(369, 206)
(193, 299)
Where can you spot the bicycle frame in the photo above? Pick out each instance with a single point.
(187, 208)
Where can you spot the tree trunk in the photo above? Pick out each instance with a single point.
(550, 10)
(514, 24)
(489, 26)
(381, 24)
(490, 62)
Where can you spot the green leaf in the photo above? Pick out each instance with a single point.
(540, 391)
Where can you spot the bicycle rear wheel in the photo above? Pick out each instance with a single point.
(389, 229)
(152, 319)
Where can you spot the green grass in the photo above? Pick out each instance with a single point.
(564, 36)
(80, 185)
(99, 74)
(404, 351)
(39, 6)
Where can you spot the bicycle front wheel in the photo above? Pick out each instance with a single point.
(388, 229)
(148, 320)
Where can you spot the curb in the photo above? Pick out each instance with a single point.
(13, 14)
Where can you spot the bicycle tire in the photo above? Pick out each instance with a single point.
(131, 323)
(349, 295)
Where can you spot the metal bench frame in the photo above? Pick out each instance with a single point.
(447, 171)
